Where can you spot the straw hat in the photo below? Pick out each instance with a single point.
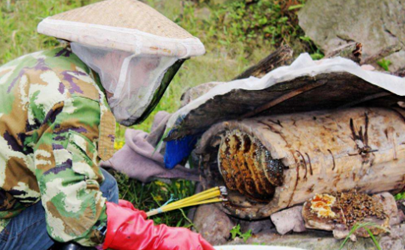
(127, 25)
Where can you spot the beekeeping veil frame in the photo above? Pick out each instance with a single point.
(135, 50)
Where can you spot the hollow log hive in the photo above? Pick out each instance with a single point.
(279, 161)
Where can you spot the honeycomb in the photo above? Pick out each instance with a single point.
(247, 167)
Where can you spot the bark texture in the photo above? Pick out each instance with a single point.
(280, 57)
(328, 91)
(359, 149)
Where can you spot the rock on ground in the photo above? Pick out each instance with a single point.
(289, 220)
(213, 224)
(255, 226)
(378, 25)
(321, 240)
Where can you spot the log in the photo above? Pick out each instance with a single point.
(280, 57)
(352, 51)
(273, 162)
(335, 90)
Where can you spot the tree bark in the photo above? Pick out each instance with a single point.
(280, 57)
(359, 149)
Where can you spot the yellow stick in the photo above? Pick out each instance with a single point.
(203, 195)
(195, 198)
(165, 209)
(208, 196)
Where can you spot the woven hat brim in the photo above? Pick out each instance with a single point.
(127, 25)
(130, 40)
(130, 14)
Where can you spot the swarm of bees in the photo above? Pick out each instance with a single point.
(342, 210)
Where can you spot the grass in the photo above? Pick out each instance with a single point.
(18, 21)
(232, 44)
(235, 232)
(366, 226)
(155, 194)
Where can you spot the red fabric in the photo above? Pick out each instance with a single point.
(127, 228)
(127, 204)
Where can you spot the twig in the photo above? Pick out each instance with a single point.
(282, 56)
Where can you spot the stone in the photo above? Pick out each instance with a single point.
(289, 220)
(256, 226)
(396, 60)
(320, 240)
(377, 25)
(213, 224)
(401, 206)
(390, 207)
(394, 241)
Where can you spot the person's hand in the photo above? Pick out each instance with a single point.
(128, 228)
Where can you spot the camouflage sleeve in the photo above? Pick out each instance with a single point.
(67, 171)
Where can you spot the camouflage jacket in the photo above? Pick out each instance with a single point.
(55, 126)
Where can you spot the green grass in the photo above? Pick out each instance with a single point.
(400, 196)
(236, 36)
(235, 232)
(366, 226)
(18, 22)
(155, 194)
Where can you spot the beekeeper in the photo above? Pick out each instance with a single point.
(57, 112)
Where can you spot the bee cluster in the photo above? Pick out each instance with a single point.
(358, 206)
(343, 210)
(247, 167)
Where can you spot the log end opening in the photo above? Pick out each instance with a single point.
(245, 166)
